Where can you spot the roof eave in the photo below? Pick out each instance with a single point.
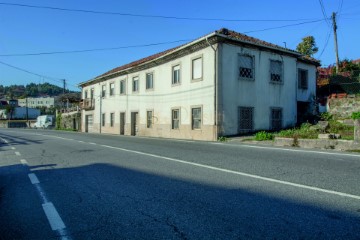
(147, 62)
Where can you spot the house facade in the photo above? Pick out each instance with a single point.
(224, 83)
(47, 102)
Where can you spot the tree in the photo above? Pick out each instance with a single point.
(307, 46)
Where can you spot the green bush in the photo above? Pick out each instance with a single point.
(325, 116)
(305, 131)
(355, 115)
(288, 133)
(263, 136)
(222, 139)
(337, 127)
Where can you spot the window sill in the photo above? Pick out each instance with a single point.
(197, 80)
(246, 79)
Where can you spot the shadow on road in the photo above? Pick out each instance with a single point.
(103, 201)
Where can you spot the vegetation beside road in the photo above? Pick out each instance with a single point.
(311, 131)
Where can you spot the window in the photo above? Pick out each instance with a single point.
(176, 74)
(276, 119)
(103, 91)
(91, 93)
(112, 120)
(103, 119)
(149, 119)
(196, 66)
(246, 122)
(302, 79)
(112, 89)
(122, 87)
(86, 94)
(135, 84)
(246, 67)
(276, 71)
(196, 118)
(175, 119)
(149, 81)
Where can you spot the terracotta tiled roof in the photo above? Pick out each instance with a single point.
(138, 62)
(245, 38)
(229, 34)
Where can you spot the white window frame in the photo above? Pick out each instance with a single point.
(272, 120)
(103, 115)
(149, 82)
(173, 127)
(135, 83)
(122, 87)
(103, 91)
(111, 89)
(176, 81)
(281, 74)
(193, 77)
(197, 119)
(91, 93)
(149, 119)
(112, 119)
(301, 84)
(241, 67)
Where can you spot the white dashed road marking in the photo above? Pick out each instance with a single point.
(24, 162)
(33, 178)
(17, 154)
(13, 148)
(53, 216)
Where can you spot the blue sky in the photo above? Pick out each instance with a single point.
(34, 30)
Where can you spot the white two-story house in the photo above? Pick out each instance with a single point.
(222, 84)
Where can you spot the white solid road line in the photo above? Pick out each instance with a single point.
(33, 178)
(53, 216)
(17, 154)
(241, 173)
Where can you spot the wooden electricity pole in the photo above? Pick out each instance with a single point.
(335, 41)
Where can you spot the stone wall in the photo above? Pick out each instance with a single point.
(344, 107)
(70, 120)
(357, 130)
(336, 144)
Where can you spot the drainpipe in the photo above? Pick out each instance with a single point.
(216, 103)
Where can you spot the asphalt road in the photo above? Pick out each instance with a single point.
(65, 185)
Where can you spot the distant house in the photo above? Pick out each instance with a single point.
(224, 83)
(37, 102)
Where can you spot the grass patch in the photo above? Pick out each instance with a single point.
(223, 139)
(353, 150)
(264, 136)
(305, 131)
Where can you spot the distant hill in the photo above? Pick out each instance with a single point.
(31, 90)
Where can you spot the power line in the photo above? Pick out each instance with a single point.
(27, 71)
(326, 43)
(144, 45)
(150, 16)
(92, 50)
(284, 26)
(324, 12)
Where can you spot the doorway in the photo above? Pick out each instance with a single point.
(134, 123)
(122, 123)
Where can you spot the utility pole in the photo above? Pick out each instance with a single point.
(64, 85)
(335, 41)
(27, 111)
